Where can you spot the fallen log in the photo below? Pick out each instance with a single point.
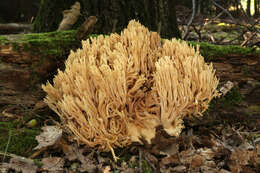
(29, 59)
(11, 28)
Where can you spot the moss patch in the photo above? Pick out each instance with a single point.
(211, 51)
(3, 40)
(232, 98)
(52, 43)
(59, 43)
(22, 140)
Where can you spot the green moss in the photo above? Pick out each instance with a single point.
(211, 51)
(22, 140)
(146, 167)
(3, 40)
(56, 43)
(245, 70)
(52, 43)
(232, 98)
(16, 47)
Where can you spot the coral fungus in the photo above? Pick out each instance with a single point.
(117, 89)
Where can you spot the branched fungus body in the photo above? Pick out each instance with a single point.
(117, 89)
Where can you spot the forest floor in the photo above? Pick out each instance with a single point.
(226, 139)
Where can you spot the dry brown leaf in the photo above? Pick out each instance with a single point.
(241, 156)
(52, 164)
(86, 162)
(152, 160)
(226, 88)
(107, 169)
(26, 166)
(206, 153)
(197, 161)
(172, 149)
(173, 160)
(49, 136)
(180, 168)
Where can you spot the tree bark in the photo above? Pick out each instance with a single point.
(113, 15)
(257, 6)
(248, 11)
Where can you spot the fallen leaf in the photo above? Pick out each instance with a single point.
(170, 160)
(170, 150)
(86, 162)
(107, 169)
(180, 168)
(197, 161)
(52, 164)
(226, 88)
(26, 166)
(49, 136)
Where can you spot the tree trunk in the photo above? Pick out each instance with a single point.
(248, 11)
(257, 6)
(113, 15)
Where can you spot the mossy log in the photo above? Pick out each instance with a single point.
(27, 59)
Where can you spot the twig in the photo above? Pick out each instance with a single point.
(250, 28)
(15, 27)
(197, 31)
(247, 39)
(242, 9)
(254, 44)
(28, 110)
(222, 8)
(149, 161)
(190, 21)
(7, 145)
(20, 158)
(140, 160)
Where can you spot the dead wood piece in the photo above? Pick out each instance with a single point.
(86, 28)
(248, 37)
(70, 17)
(223, 9)
(12, 56)
(15, 27)
(190, 21)
(25, 60)
(14, 77)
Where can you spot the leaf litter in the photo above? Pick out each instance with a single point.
(207, 145)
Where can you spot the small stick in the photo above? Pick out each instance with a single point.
(140, 160)
(190, 21)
